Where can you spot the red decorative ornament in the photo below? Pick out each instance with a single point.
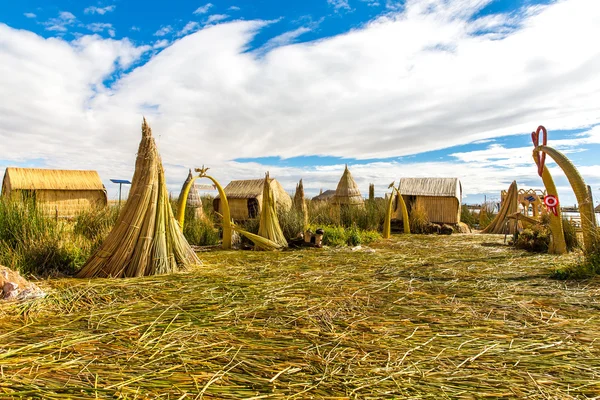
(551, 202)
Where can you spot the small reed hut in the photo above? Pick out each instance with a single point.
(194, 201)
(347, 192)
(325, 196)
(61, 193)
(441, 197)
(245, 198)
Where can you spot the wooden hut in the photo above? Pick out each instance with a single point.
(347, 192)
(441, 197)
(245, 198)
(62, 193)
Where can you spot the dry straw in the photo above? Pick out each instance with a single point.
(146, 239)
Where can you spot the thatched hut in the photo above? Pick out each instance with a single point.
(62, 193)
(347, 192)
(194, 201)
(245, 198)
(327, 195)
(441, 197)
(597, 209)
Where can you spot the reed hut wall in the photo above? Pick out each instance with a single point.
(441, 198)
(61, 193)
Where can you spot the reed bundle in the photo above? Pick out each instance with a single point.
(510, 205)
(269, 227)
(300, 204)
(458, 317)
(146, 239)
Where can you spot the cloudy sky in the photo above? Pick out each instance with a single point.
(449, 88)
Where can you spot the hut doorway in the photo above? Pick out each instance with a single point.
(253, 208)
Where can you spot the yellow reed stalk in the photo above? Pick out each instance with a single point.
(405, 221)
(259, 241)
(225, 205)
(387, 223)
(581, 192)
(558, 245)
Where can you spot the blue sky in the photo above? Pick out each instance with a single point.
(300, 88)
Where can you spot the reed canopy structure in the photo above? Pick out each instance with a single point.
(347, 193)
(245, 198)
(60, 193)
(441, 197)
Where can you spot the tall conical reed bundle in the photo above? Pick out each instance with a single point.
(509, 206)
(371, 191)
(146, 239)
(269, 227)
(300, 204)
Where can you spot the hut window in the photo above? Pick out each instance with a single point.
(252, 208)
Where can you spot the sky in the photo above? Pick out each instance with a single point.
(414, 88)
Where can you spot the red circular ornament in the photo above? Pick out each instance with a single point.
(551, 200)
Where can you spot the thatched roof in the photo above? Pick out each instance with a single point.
(326, 195)
(439, 187)
(597, 209)
(250, 188)
(253, 189)
(50, 179)
(347, 191)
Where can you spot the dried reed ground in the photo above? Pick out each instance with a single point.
(422, 317)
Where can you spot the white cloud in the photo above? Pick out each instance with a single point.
(203, 9)
(339, 4)
(135, 28)
(159, 44)
(234, 8)
(385, 90)
(60, 24)
(284, 39)
(99, 10)
(191, 26)
(165, 30)
(29, 15)
(216, 18)
(101, 27)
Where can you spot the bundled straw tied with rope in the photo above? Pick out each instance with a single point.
(146, 239)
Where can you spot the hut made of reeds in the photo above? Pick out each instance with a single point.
(194, 201)
(597, 208)
(245, 198)
(62, 193)
(347, 192)
(441, 197)
(327, 195)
